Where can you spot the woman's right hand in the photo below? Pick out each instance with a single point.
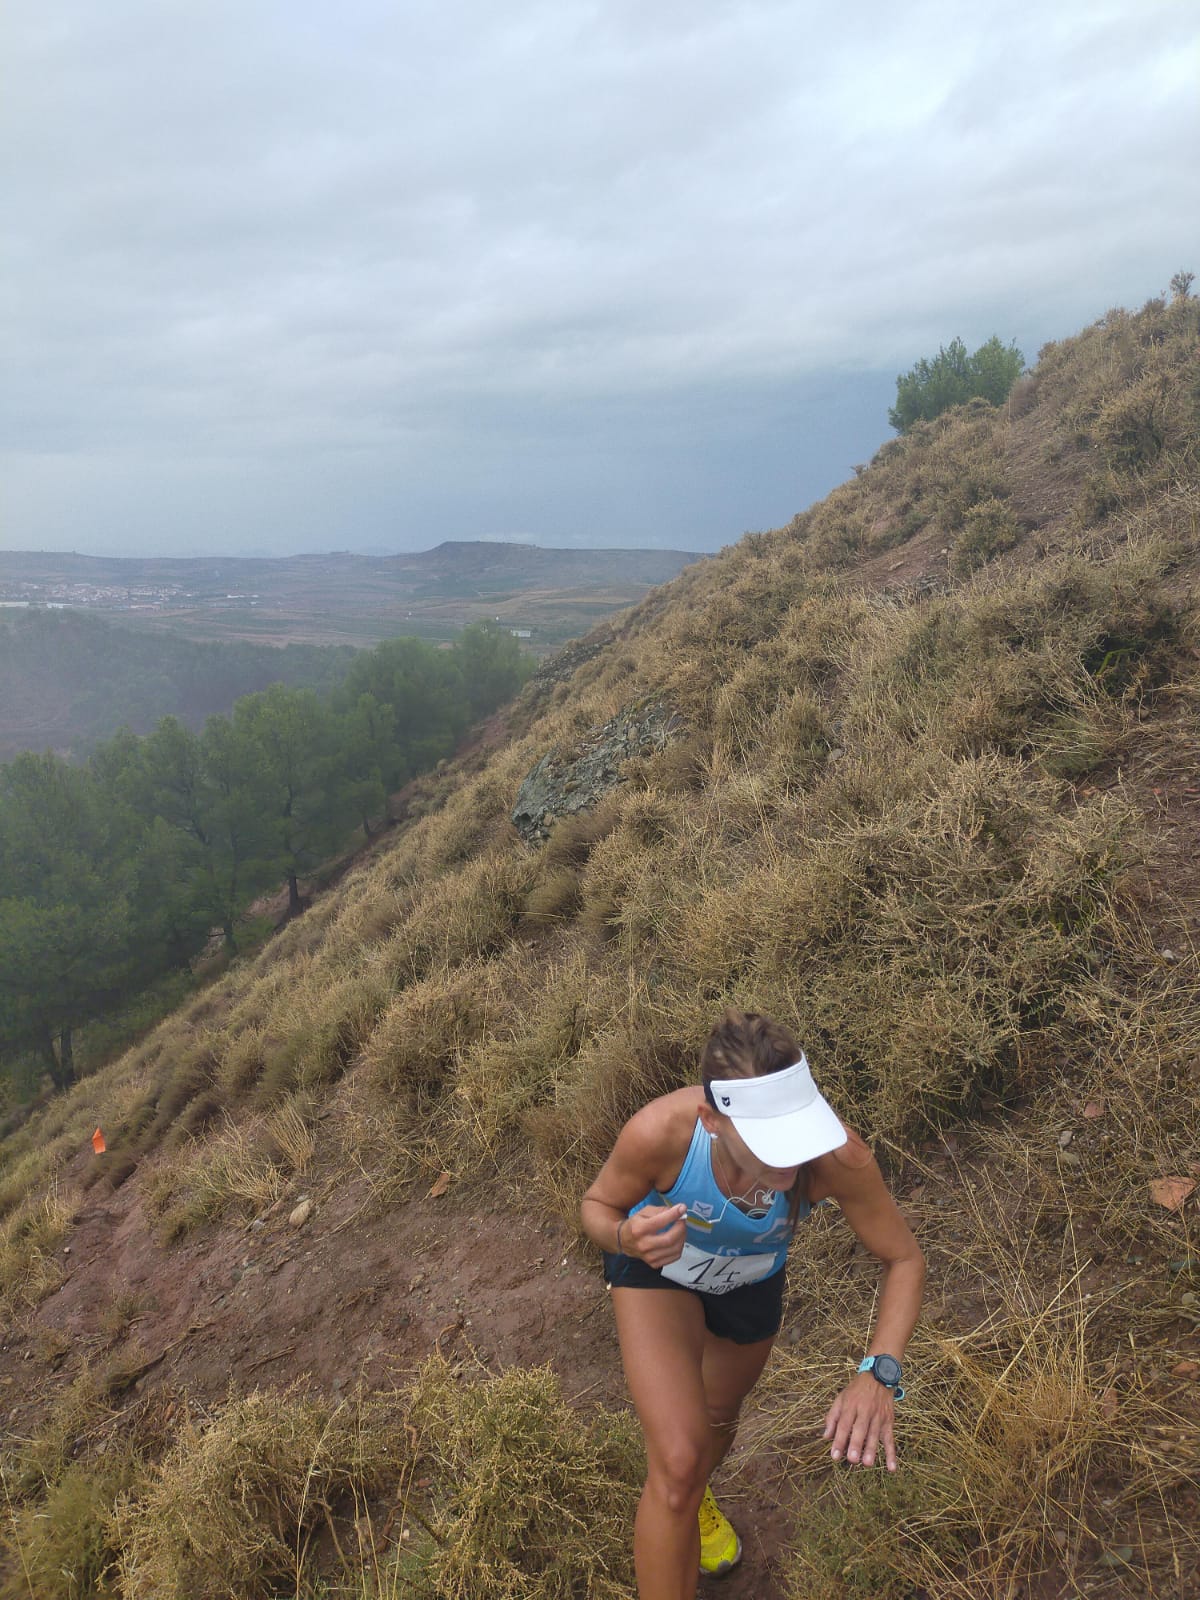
(655, 1234)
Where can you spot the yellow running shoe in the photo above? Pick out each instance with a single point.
(720, 1547)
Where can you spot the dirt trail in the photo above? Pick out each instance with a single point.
(348, 1295)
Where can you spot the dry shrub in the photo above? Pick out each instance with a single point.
(371, 909)
(29, 1240)
(513, 1067)
(319, 1024)
(471, 912)
(1132, 427)
(233, 1507)
(554, 898)
(1022, 397)
(799, 738)
(572, 838)
(1027, 1441)
(475, 815)
(181, 1079)
(682, 766)
(417, 1042)
(398, 1122)
(242, 1061)
(237, 1168)
(989, 529)
(81, 1423)
(63, 1545)
(533, 1502)
(641, 843)
(31, 1168)
(290, 1135)
(743, 707)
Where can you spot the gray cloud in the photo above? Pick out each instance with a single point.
(295, 275)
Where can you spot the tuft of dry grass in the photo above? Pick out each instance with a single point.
(233, 1508)
(1031, 1439)
(533, 1500)
(243, 1167)
(63, 1546)
(30, 1238)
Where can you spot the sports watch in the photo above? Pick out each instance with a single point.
(886, 1370)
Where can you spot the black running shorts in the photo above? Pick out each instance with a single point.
(744, 1315)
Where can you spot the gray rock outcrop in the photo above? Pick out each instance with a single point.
(563, 783)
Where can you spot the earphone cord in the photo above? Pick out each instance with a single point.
(765, 1197)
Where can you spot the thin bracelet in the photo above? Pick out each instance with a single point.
(620, 1225)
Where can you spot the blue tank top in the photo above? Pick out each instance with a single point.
(714, 1222)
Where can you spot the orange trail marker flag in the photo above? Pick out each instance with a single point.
(98, 1144)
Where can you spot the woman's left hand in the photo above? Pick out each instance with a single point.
(860, 1420)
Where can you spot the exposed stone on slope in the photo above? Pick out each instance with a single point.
(565, 782)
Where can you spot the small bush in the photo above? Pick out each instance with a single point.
(233, 1508)
(29, 1242)
(64, 1544)
(572, 838)
(414, 1048)
(1132, 427)
(554, 899)
(235, 1168)
(989, 529)
(533, 1501)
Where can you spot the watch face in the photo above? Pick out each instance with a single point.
(887, 1370)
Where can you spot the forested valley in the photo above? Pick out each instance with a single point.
(118, 872)
(69, 679)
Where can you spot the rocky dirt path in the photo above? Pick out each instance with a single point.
(347, 1296)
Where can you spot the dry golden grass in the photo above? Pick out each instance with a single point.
(233, 1508)
(243, 1167)
(63, 1547)
(534, 1501)
(1030, 1439)
(877, 828)
(519, 1496)
(30, 1238)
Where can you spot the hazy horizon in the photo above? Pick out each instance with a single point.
(280, 281)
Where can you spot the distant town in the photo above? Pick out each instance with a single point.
(543, 597)
(114, 597)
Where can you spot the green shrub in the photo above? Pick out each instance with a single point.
(988, 529)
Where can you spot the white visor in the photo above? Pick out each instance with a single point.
(782, 1116)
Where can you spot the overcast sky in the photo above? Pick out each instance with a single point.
(281, 275)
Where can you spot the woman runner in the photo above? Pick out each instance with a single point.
(694, 1210)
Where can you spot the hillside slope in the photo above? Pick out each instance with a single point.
(933, 799)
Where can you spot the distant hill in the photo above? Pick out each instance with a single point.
(929, 795)
(350, 599)
(69, 679)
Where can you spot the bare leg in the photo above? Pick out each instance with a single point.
(729, 1371)
(687, 1388)
(662, 1337)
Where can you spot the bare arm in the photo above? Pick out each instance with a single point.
(646, 1156)
(862, 1416)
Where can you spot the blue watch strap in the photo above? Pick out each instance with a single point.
(867, 1364)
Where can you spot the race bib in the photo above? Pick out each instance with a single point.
(711, 1274)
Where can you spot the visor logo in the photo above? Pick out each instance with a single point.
(724, 1099)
